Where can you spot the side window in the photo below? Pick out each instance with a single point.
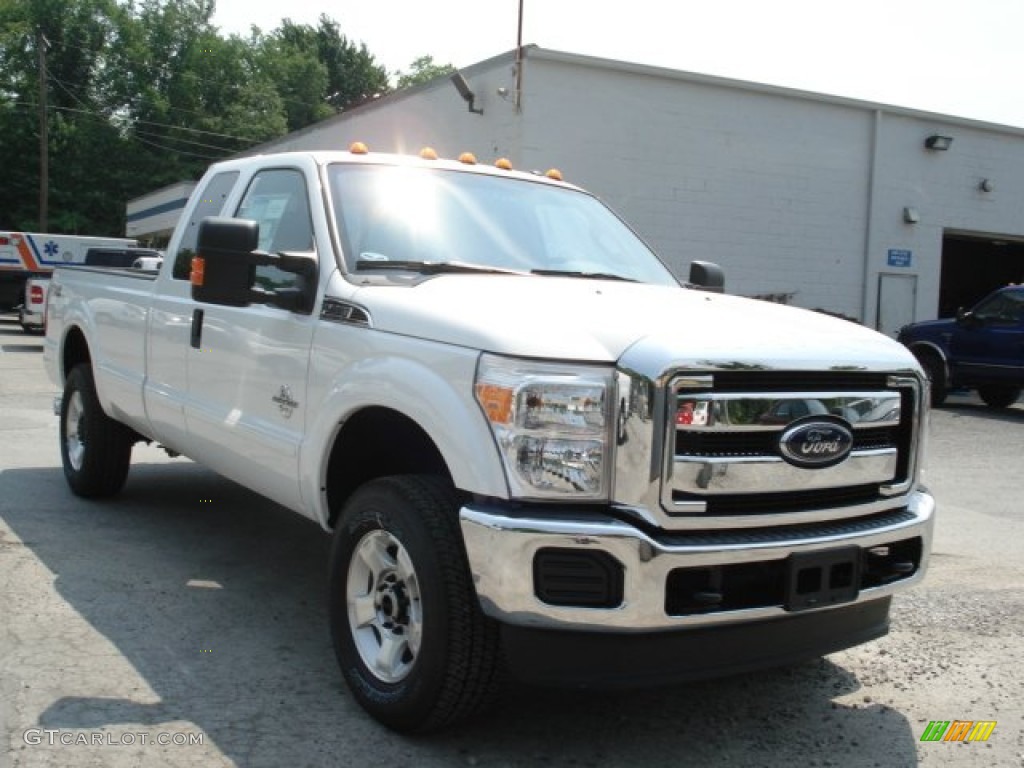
(211, 202)
(278, 200)
(1002, 309)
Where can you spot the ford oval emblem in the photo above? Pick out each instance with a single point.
(816, 442)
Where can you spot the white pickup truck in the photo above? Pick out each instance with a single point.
(538, 451)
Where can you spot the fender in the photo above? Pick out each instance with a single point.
(442, 408)
(931, 346)
(118, 389)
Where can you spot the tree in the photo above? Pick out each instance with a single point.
(352, 75)
(144, 93)
(422, 70)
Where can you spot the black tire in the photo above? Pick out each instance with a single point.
(417, 601)
(999, 395)
(95, 449)
(936, 370)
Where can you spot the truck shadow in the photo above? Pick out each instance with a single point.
(216, 598)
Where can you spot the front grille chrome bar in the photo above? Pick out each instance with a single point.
(723, 466)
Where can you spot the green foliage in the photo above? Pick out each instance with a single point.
(423, 70)
(145, 93)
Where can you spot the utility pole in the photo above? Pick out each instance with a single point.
(44, 137)
(519, 60)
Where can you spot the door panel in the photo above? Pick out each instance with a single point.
(246, 413)
(166, 387)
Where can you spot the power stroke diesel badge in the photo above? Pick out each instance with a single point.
(816, 443)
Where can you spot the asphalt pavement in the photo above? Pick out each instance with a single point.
(183, 623)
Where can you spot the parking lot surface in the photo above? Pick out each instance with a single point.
(183, 623)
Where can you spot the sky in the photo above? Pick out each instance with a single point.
(954, 57)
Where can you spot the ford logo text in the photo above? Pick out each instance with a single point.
(816, 443)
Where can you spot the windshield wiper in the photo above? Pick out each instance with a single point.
(434, 267)
(584, 275)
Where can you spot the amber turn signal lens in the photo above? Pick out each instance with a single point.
(198, 274)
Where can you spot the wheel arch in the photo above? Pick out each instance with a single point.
(927, 349)
(74, 351)
(374, 442)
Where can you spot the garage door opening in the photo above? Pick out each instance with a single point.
(974, 266)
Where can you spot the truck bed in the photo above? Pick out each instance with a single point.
(112, 306)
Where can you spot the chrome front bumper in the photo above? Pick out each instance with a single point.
(502, 542)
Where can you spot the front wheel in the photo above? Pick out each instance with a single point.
(95, 449)
(414, 647)
(999, 395)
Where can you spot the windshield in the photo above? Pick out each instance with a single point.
(431, 217)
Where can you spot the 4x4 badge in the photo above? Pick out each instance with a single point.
(285, 402)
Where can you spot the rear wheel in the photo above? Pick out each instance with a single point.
(95, 449)
(414, 647)
(999, 395)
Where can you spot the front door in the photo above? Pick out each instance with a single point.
(247, 366)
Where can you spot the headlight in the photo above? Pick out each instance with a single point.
(551, 422)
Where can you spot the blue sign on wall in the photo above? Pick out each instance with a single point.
(899, 257)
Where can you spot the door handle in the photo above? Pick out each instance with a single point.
(197, 328)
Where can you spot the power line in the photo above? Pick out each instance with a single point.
(172, 127)
(182, 141)
(138, 121)
(179, 151)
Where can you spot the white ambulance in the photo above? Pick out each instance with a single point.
(27, 254)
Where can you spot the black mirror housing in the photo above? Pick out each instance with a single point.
(707, 276)
(224, 267)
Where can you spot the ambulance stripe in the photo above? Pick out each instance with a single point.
(27, 256)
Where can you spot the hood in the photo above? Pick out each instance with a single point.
(598, 321)
(927, 329)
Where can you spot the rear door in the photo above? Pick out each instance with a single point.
(170, 316)
(246, 412)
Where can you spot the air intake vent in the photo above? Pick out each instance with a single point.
(577, 578)
(336, 311)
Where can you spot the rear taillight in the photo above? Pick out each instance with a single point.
(35, 294)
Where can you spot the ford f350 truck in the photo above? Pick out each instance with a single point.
(538, 451)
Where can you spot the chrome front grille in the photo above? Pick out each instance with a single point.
(724, 466)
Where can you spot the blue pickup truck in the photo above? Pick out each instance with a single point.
(982, 348)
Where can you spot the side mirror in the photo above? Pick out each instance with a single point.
(966, 318)
(707, 276)
(224, 268)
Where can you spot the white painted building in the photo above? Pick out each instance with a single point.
(820, 201)
(153, 216)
